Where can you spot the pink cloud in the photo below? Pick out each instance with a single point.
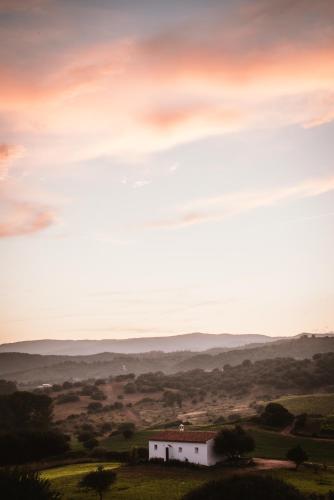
(227, 205)
(22, 218)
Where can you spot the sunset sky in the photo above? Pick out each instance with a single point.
(166, 167)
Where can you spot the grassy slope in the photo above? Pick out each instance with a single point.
(118, 443)
(308, 481)
(133, 483)
(268, 445)
(274, 445)
(322, 404)
(152, 482)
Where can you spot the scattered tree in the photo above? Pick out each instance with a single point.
(252, 487)
(275, 415)
(297, 455)
(127, 429)
(7, 387)
(233, 443)
(99, 481)
(91, 443)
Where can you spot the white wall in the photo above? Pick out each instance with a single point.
(205, 455)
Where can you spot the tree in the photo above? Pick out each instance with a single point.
(25, 411)
(232, 443)
(99, 481)
(7, 387)
(297, 455)
(127, 429)
(275, 415)
(90, 443)
(24, 446)
(20, 484)
(252, 487)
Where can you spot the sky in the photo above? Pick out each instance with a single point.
(166, 167)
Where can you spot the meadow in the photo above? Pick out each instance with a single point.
(271, 444)
(149, 482)
(319, 404)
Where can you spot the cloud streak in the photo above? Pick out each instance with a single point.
(220, 207)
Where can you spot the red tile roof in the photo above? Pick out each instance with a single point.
(184, 436)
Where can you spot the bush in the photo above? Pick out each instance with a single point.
(127, 429)
(22, 447)
(85, 436)
(98, 481)
(98, 395)
(7, 387)
(250, 487)
(90, 443)
(94, 407)
(232, 443)
(297, 455)
(19, 484)
(67, 398)
(275, 415)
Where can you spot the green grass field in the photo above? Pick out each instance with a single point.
(146, 482)
(273, 445)
(322, 404)
(133, 483)
(308, 481)
(119, 443)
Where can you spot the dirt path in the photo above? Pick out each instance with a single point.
(269, 464)
(287, 430)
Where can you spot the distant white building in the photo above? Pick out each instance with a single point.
(188, 446)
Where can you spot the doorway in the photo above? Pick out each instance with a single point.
(167, 453)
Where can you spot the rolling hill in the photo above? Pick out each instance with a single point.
(190, 341)
(36, 368)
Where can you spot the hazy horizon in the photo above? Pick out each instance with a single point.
(165, 168)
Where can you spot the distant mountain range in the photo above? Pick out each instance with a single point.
(36, 368)
(185, 342)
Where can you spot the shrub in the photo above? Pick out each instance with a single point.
(90, 443)
(22, 447)
(232, 443)
(94, 407)
(68, 398)
(297, 455)
(250, 487)
(20, 484)
(275, 415)
(99, 481)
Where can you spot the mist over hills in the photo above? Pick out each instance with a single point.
(185, 342)
(36, 368)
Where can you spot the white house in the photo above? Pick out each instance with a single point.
(188, 446)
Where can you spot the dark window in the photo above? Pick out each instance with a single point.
(196, 449)
(155, 446)
(180, 449)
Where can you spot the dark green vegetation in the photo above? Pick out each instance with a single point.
(27, 368)
(275, 415)
(26, 431)
(269, 444)
(232, 443)
(152, 482)
(17, 484)
(322, 404)
(279, 373)
(99, 480)
(7, 387)
(297, 455)
(251, 487)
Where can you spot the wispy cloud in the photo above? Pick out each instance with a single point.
(227, 205)
(21, 218)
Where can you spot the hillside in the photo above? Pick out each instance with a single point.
(32, 368)
(190, 341)
(298, 348)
